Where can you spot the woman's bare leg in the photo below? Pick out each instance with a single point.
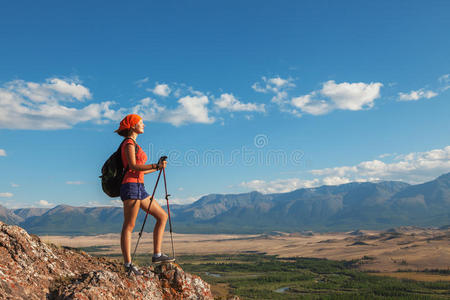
(161, 220)
(130, 212)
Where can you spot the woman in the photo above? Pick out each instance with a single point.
(133, 194)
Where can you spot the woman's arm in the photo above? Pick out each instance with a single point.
(149, 171)
(161, 165)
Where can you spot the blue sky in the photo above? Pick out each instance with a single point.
(242, 95)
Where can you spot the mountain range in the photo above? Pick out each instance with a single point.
(356, 205)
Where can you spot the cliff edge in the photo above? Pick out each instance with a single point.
(31, 269)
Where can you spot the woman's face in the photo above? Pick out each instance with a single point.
(139, 127)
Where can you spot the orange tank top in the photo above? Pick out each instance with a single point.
(141, 159)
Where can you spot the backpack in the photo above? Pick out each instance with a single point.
(113, 172)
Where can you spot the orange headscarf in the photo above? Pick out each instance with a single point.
(129, 121)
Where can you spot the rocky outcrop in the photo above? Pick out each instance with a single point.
(31, 269)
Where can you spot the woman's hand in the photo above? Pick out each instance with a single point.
(163, 164)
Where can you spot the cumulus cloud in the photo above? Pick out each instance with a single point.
(185, 200)
(278, 81)
(74, 182)
(162, 90)
(6, 195)
(2, 152)
(70, 89)
(230, 103)
(279, 185)
(291, 184)
(275, 85)
(45, 203)
(49, 105)
(310, 106)
(416, 167)
(272, 84)
(190, 109)
(413, 167)
(335, 180)
(352, 96)
(94, 204)
(344, 96)
(416, 95)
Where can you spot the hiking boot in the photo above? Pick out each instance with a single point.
(131, 269)
(162, 259)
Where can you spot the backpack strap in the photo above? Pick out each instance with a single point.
(134, 142)
(136, 149)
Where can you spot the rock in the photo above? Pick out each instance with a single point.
(31, 269)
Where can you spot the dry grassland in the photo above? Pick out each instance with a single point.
(419, 276)
(404, 248)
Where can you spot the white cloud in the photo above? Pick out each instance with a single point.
(278, 81)
(444, 78)
(386, 155)
(230, 103)
(352, 96)
(2, 152)
(416, 167)
(71, 89)
(93, 204)
(6, 195)
(53, 90)
(186, 200)
(413, 167)
(335, 180)
(116, 202)
(258, 88)
(344, 96)
(29, 105)
(74, 182)
(416, 95)
(140, 82)
(11, 204)
(279, 185)
(14, 185)
(291, 111)
(191, 109)
(161, 90)
(313, 107)
(275, 85)
(45, 203)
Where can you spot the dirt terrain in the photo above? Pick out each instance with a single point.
(404, 248)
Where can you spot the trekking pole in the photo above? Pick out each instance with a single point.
(148, 209)
(168, 211)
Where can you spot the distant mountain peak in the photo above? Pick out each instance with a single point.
(445, 176)
(356, 205)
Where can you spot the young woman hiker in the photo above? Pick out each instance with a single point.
(133, 194)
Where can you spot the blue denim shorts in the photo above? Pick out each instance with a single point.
(133, 190)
